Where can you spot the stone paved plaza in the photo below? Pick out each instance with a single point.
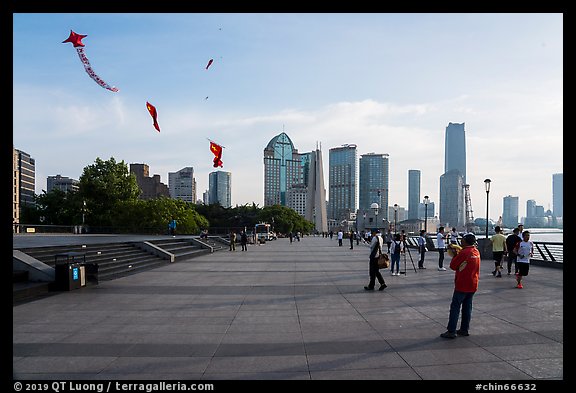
(291, 311)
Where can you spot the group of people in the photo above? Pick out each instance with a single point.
(243, 240)
(465, 263)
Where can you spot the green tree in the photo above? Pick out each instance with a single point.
(102, 186)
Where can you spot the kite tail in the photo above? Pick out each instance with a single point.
(91, 72)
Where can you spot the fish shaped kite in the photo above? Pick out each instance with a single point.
(152, 109)
(76, 40)
(216, 149)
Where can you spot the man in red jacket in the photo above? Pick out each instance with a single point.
(467, 266)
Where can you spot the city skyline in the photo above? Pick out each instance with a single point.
(389, 83)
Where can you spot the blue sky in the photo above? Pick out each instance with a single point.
(389, 83)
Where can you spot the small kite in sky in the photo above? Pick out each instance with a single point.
(152, 109)
(216, 149)
(209, 63)
(76, 40)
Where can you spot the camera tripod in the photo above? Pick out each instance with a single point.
(410, 255)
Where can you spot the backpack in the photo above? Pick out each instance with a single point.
(396, 247)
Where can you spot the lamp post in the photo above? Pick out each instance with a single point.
(487, 187)
(426, 201)
(83, 211)
(375, 208)
(395, 217)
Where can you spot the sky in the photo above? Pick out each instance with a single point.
(387, 82)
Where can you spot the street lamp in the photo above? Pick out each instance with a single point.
(487, 187)
(426, 201)
(83, 210)
(375, 208)
(395, 217)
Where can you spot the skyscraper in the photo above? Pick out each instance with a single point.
(316, 192)
(15, 189)
(27, 178)
(452, 202)
(182, 184)
(510, 212)
(342, 182)
(219, 188)
(413, 193)
(282, 170)
(558, 194)
(373, 182)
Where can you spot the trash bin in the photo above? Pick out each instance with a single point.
(69, 271)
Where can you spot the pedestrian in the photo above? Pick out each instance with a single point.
(340, 237)
(511, 241)
(389, 238)
(232, 241)
(498, 241)
(454, 236)
(422, 248)
(331, 234)
(351, 239)
(172, 227)
(440, 238)
(375, 251)
(244, 241)
(466, 264)
(397, 247)
(290, 235)
(524, 250)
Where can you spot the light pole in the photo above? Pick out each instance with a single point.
(83, 210)
(375, 208)
(426, 201)
(395, 217)
(487, 186)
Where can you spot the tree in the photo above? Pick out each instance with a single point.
(102, 186)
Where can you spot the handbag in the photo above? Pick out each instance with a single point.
(383, 261)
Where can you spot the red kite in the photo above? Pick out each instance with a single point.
(76, 40)
(152, 109)
(216, 149)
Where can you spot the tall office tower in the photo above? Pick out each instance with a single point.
(426, 212)
(342, 182)
(182, 184)
(282, 170)
(316, 192)
(452, 210)
(557, 194)
(15, 189)
(455, 149)
(452, 213)
(510, 212)
(530, 208)
(413, 193)
(150, 187)
(373, 182)
(206, 197)
(61, 183)
(220, 186)
(27, 175)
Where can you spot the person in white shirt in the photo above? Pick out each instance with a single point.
(375, 251)
(422, 248)
(453, 236)
(440, 238)
(524, 250)
(340, 237)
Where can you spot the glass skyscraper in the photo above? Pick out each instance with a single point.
(455, 149)
(373, 184)
(182, 184)
(413, 193)
(342, 182)
(510, 212)
(282, 170)
(219, 188)
(452, 196)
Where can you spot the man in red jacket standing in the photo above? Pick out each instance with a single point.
(467, 266)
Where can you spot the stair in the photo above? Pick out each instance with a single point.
(181, 248)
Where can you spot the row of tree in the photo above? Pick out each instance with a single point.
(107, 200)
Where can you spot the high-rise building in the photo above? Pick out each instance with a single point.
(220, 188)
(316, 192)
(413, 193)
(373, 182)
(27, 179)
(452, 193)
(455, 149)
(150, 187)
(15, 190)
(206, 197)
(452, 212)
(342, 182)
(530, 208)
(558, 194)
(182, 184)
(61, 183)
(510, 212)
(282, 170)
